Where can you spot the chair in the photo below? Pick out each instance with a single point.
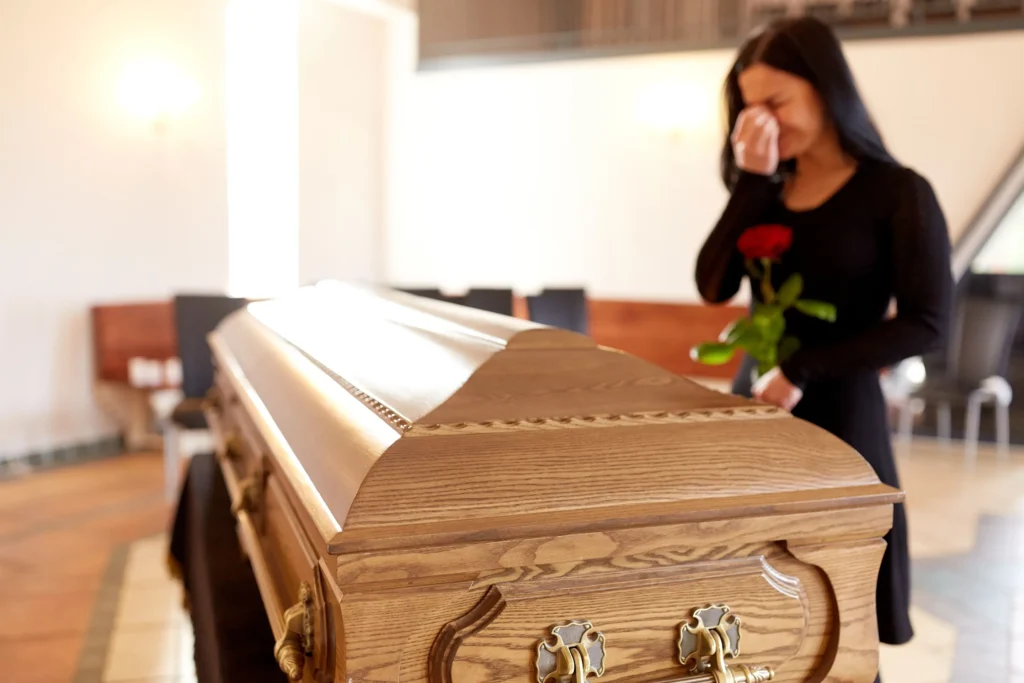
(932, 11)
(195, 316)
(562, 308)
(976, 364)
(493, 300)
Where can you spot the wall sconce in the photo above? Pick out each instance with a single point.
(156, 91)
(676, 108)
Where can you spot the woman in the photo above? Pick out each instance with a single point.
(804, 153)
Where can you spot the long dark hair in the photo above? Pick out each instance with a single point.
(807, 48)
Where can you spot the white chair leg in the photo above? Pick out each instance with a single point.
(906, 426)
(172, 461)
(945, 423)
(971, 430)
(1003, 430)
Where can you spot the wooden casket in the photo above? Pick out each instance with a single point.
(432, 493)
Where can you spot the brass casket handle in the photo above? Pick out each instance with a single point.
(576, 654)
(706, 642)
(232, 446)
(296, 642)
(250, 492)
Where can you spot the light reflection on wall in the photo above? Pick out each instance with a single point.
(156, 90)
(262, 146)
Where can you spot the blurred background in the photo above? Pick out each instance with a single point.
(162, 162)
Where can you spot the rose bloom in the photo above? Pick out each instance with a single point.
(765, 242)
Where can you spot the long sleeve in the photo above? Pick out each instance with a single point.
(923, 287)
(720, 267)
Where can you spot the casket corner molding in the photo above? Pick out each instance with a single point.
(455, 632)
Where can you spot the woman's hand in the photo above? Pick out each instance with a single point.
(755, 141)
(775, 389)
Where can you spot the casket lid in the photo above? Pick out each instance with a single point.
(401, 421)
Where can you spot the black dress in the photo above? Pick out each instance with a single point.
(881, 235)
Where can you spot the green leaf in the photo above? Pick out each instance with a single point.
(817, 309)
(758, 351)
(712, 353)
(734, 331)
(787, 348)
(791, 290)
(763, 313)
(751, 341)
(742, 334)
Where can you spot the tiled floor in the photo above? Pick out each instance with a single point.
(152, 635)
(85, 596)
(967, 541)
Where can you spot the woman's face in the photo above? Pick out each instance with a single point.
(793, 101)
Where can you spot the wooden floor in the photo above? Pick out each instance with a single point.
(59, 531)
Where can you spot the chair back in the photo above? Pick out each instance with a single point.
(195, 317)
(562, 308)
(493, 300)
(983, 338)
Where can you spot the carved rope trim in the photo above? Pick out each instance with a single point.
(403, 426)
(391, 417)
(591, 421)
(396, 421)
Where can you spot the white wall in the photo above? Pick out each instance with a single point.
(559, 172)
(96, 206)
(341, 124)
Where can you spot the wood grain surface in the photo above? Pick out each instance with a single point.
(502, 474)
(852, 569)
(525, 478)
(637, 574)
(640, 616)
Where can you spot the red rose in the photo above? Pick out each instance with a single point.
(765, 241)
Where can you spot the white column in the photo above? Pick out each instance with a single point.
(262, 146)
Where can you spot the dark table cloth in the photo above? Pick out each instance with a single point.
(233, 640)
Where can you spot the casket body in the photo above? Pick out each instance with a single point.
(430, 493)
